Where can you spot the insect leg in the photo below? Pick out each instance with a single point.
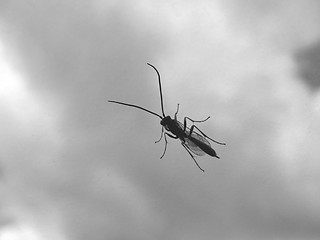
(175, 115)
(166, 142)
(194, 126)
(198, 121)
(160, 136)
(186, 147)
(165, 146)
(193, 121)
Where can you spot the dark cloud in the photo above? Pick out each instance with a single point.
(308, 60)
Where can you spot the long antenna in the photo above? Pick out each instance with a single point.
(159, 87)
(131, 105)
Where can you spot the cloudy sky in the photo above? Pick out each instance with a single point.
(75, 167)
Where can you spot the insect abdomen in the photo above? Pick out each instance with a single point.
(204, 147)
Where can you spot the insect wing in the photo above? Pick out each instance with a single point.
(191, 145)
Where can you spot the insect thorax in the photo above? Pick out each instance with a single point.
(166, 121)
(172, 126)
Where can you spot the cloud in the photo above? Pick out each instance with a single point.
(308, 60)
(80, 168)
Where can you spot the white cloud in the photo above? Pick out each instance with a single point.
(19, 233)
(22, 105)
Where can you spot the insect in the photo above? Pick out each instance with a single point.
(195, 143)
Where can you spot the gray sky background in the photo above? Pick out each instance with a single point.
(74, 167)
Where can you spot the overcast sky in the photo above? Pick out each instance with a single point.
(75, 167)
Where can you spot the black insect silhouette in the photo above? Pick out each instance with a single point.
(192, 141)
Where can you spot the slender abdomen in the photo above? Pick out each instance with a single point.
(204, 147)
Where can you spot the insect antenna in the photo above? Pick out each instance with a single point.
(161, 98)
(135, 106)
